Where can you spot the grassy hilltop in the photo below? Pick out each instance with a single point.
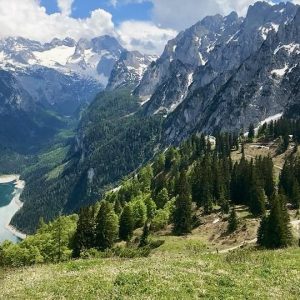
(181, 268)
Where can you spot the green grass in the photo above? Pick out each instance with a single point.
(180, 269)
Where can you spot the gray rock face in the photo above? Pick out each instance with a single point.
(12, 96)
(25, 126)
(265, 84)
(225, 72)
(129, 69)
(192, 48)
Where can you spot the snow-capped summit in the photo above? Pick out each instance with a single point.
(92, 59)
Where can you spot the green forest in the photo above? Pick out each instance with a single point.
(176, 188)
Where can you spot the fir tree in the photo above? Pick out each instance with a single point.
(251, 132)
(159, 164)
(183, 208)
(84, 237)
(257, 200)
(232, 221)
(162, 198)
(145, 236)
(295, 195)
(263, 231)
(107, 226)
(274, 231)
(126, 224)
(224, 203)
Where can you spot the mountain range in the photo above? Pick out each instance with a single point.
(59, 78)
(225, 72)
(221, 74)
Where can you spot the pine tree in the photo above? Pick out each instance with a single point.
(255, 194)
(257, 200)
(263, 232)
(224, 203)
(274, 231)
(183, 208)
(145, 236)
(126, 224)
(295, 196)
(251, 132)
(107, 226)
(145, 176)
(232, 221)
(159, 164)
(84, 237)
(162, 198)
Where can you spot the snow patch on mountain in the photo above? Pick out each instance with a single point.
(280, 72)
(54, 57)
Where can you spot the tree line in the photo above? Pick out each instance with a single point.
(198, 175)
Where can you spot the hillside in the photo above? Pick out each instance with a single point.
(179, 269)
(180, 206)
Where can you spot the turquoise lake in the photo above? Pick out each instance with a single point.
(7, 209)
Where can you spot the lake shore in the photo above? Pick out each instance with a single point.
(19, 187)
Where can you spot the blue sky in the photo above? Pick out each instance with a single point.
(144, 25)
(120, 12)
(124, 10)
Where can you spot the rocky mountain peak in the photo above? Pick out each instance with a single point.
(129, 70)
(107, 43)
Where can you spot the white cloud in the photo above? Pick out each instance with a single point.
(65, 6)
(113, 3)
(144, 36)
(27, 18)
(180, 14)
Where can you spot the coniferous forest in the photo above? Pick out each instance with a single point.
(177, 188)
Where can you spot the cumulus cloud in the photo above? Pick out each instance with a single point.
(65, 6)
(180, 14)
(144, 36)
(27, 18)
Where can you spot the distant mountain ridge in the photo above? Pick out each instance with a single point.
(189, 84)
(63, 74)
(56, 78)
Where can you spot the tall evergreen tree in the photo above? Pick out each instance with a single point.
(232, 221)
(162, 198)
(107, 226)
(84, 237)
(262, 233)
(126, 224)
(183, 208)
(274, 231)
(256, 199)
(295, 195)
(159, 164)
(251, 132)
